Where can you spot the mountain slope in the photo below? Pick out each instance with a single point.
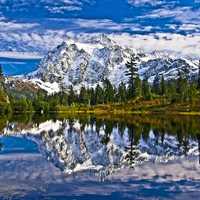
(100, 58)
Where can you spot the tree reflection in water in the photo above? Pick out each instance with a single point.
(108, 143)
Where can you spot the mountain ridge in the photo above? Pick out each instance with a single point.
(89, 63)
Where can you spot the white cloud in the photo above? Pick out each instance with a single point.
(182, 14)
(108, 25)
(189, 27)
(53, 6)
(188, 15)
(43, 35)
(163, 13)
(175, 44)
(176, 11)
(14, 26)
(180, 18)
(144, 2)
(34, 37)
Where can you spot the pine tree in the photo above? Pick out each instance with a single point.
(72, 96)
(99, 95)
(121, 94)
(156, 84)
(171, 90)
(1, 77)
(53, 101)
(63, 96)
(192, 93)
(198, 81)
(4, 102)
(20, 105)
(132, 73)
(64, 99)
(108, 91)
(137, 87)
(91, 97)
(163, 86)
(1, 71)
(182, 87)
(84, 96)
(41, 106)
(146, 90)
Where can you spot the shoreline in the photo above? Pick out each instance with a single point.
(118, 112)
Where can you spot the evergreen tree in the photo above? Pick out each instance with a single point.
(1, 77)
(1, 71)
(156, 84)
(53, 101)
(99, 95)
(163, 86)
(4, 102)
(81, 95)
(171, 90)
(20, 105)
(84, 96)
(137, 87)
(146, 90)
(132, 73)
(182, 87)
(180, 81)
(72, 96)
(192, 93)
(198, 81)
(42, 106)
(121, 94)
(64, 99)
(63, 96)
(91, 99)
(108, 91)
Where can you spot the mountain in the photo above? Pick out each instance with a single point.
(85, 63)
(168, 67)
(91, 61)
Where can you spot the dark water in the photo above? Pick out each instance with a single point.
(104, 157)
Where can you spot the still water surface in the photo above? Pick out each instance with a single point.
(105, 157)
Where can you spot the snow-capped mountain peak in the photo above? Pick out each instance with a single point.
(91, 61)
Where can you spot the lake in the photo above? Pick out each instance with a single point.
(100, 157)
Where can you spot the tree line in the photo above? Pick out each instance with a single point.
(178, 90)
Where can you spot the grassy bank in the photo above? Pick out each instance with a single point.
(156, 106)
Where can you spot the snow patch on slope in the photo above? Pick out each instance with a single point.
(50, 88)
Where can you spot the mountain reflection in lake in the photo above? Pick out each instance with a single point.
(135, 156)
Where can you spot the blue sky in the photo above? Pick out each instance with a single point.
(39, 25)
